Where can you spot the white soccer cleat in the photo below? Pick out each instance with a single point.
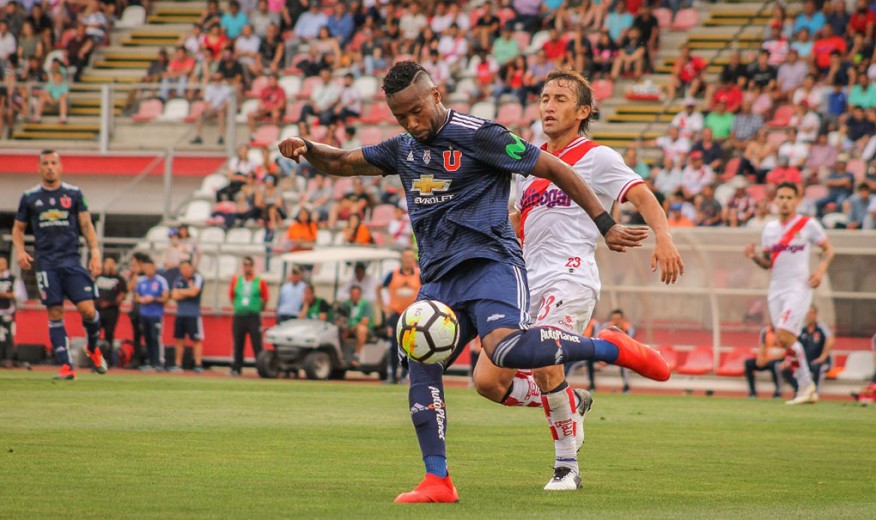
(564, 479)
(808, 396)
(585, 401)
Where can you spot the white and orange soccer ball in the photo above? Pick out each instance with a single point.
(428, 331)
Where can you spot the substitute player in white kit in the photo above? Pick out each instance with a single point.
(785, 250)
(559, 244)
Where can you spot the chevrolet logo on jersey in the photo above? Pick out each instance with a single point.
(428, 185)
(54, 217)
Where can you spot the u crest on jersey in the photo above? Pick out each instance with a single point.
(452, 160)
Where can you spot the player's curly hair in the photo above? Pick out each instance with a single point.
(583, 89)
(401, 75)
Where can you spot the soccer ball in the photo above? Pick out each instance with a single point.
(428, 331)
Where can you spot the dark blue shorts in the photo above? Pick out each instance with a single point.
(190, 326)
(73, 283)
(485, 295)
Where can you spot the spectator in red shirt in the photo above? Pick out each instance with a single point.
(555, 47)
(215, 41)
(823, 46)
(272, 103)
(863, 20)
(784, 173)
(178, 69)
(687, 73)
(729, 94)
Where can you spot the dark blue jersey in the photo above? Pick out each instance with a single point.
(457, 187)
(54, 221)
(190, 306)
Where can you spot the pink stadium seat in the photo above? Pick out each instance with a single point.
(858, 169)
(733, 364)
(474, 15)
(757, 191)
(522, 38)
(460, 106)
(377, 113)
(307, 87)
(149, 110)
(258, 85)
(293, 112)
(318, 132)
(370, 135)
(685, 19)
(504, 15)
(815, 192)
(777, 138)
(663, 16)
(510, 114)
(669, 355)
(343, 185)
(195, 111)
(782, 116)
(730, 169)
(381, 216)
(603, 89)
(698, 362)
(266, 135)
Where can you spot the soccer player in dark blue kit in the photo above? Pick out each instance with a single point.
(456, 170)
(57, 213)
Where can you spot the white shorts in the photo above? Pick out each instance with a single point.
(565, 305)
(788, 309)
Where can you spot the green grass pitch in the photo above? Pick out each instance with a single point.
(130, 446)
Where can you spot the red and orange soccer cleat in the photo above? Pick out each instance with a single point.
(432, 489)
(99, 362)
(66, 373)
(636, 356)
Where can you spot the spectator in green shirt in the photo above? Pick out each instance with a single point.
(720, 122)
(360, 322)
(505, 47)
(54, 94)
(863, 94)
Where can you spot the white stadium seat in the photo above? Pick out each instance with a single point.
(197, 212)
(132, 17)
(211, 237)
(238, 236)
(291, 85)
(367, 86)
(250, 105)
(174, 111)
(227, 266)
(484, 110)
(210, 185)
(859, 366)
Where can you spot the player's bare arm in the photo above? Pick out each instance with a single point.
(514, 217)
(328, 159)
(665, 253)
(87, 227)
(618, 237)
(25, 261)
(761, 259)
(827, 254)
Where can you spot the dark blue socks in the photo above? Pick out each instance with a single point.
(92, 330)
(58, 337)
(429, 415)
(540, 347)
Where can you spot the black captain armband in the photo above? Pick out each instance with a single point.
(309, 145)
(604, 222)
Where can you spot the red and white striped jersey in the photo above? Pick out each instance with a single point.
(789, 246)
(559, 238)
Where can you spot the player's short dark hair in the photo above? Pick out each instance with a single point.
(181, 262)
(618, 311)
(140, 256)
(401, 75)
(790, 185)
(355, 287)
(249, 259)
(47, 151)
(147, 260)
(583, 90)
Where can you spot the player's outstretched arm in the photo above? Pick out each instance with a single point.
(827, 254)
(665, 253)
(762, 260)
(618, 237)
(87, 227)
(328, 159)
(25, 261)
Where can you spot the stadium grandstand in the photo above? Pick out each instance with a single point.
(169, 113)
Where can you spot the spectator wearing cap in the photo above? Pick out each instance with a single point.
(234, 20)
(689, 121)
(709, 211)
(695, 176)
(676, 219)
(790, 74)
(745, 126)
(291, 297)
(840, 183)
(741, 206)
(810, 18)
(856, 208)
(272, 104)
(177, 74)
(360, 279)
(863, 93)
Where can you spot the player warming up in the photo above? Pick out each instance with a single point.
(57, 214)
(564, 281)
(456, 170)
(785, 250)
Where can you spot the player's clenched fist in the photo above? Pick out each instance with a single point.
(620, 237)
(293, 148)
